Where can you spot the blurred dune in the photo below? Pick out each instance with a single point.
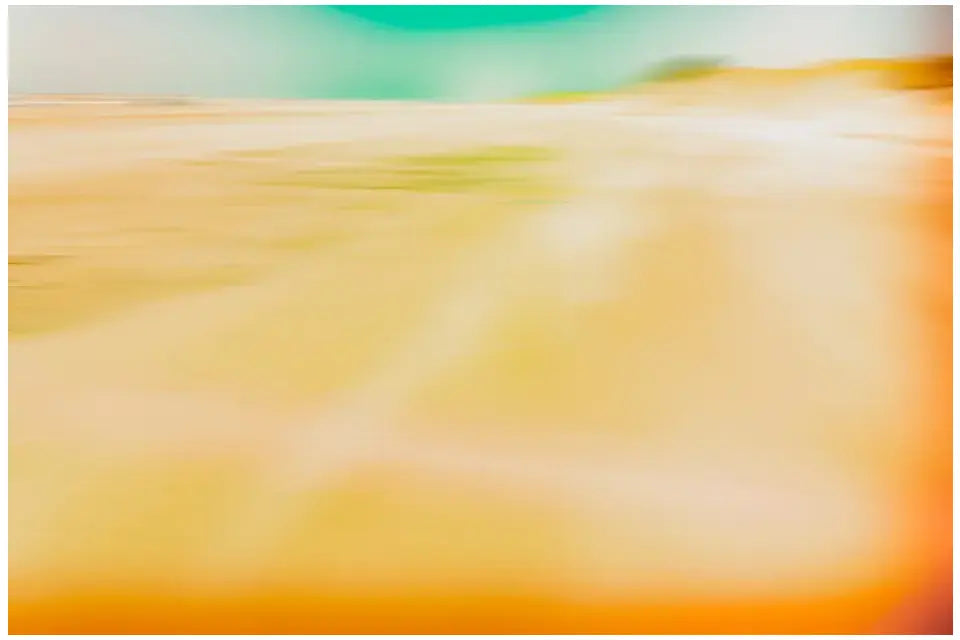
(713, 84)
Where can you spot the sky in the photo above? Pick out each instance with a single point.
(455, 53)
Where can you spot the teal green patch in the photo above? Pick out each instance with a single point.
(445, 17)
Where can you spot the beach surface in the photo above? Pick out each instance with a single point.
(603, 367)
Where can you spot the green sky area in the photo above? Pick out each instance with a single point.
(442, 17)
(451, 53)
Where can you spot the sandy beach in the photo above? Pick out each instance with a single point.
(504, 367)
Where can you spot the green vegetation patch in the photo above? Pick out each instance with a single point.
(683, 69)
(500, 169)
(564, 97)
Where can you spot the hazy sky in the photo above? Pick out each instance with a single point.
(440, 52)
